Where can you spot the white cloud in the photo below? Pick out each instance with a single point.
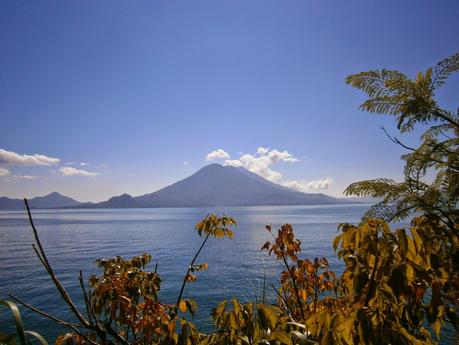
(217, 154)
(262, 164)
(305, 186)
(25, 177)
(4, 172)
(13, 158)
(262, 150)
(69, 171)
(185, 163)
(235, 162)
(84, 163)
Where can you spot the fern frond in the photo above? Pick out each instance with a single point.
(382, 105)
(444, 69)
(375, 188)
(378, 83)
(435, 131)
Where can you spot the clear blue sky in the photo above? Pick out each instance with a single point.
(137, 88)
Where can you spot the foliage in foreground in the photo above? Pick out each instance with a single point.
(21, 336)
(398, 286)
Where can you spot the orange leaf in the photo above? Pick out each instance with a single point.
(182, 306)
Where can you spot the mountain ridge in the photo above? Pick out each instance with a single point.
(212, 185)
(52, 200)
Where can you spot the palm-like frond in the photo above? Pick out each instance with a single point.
(378, 83)
(444, 69)
(377, 188)
(412, 102)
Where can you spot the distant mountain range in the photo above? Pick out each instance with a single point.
(53, 200)
(213, 185)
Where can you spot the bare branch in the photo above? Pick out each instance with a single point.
(38, 311)
(51, 273)
(396, 141)
(85, 296)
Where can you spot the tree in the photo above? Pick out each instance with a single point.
(412, 102)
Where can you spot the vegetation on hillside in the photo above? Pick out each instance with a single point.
(398, 286)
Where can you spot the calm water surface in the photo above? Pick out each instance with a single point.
(73, 239)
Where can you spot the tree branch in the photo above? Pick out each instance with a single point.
(396, 141)
(51, 273)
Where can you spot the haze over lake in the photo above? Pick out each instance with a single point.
(73, 239)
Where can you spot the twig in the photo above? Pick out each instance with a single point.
(188, 271)
(297, 294)
(85, 296)
(38, 311)
(51, 273)
(282, 298)
(396, 141)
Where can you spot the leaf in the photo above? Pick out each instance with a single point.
(436, 326)
(304, 294)
(283, 338)
(191, 306)
(217, 313)
(360, 281)
(182, 306)
(62, 339)
(398, 281)
(265, 246)
(270, 315)
(37, 336)
(327, 339)
(402, 241)
(417, 240)
(17, 318)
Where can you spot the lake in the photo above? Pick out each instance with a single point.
(73, 239)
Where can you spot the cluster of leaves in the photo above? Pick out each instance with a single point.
(125, 296)
(215, 226)
(122, 303)
(124, 300)
(303, 281)
(394, 284)
(398, 282)
(249, 323)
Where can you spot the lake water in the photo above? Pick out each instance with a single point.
(73, 239)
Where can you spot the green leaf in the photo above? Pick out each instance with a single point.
(17, 318)
(37, 336)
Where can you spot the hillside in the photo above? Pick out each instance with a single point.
(53, 200)
(216, 185)
(213, 185)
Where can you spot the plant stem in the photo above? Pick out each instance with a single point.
(188, 271)
(294, 286)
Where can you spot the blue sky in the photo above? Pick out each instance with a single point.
(137, 89)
